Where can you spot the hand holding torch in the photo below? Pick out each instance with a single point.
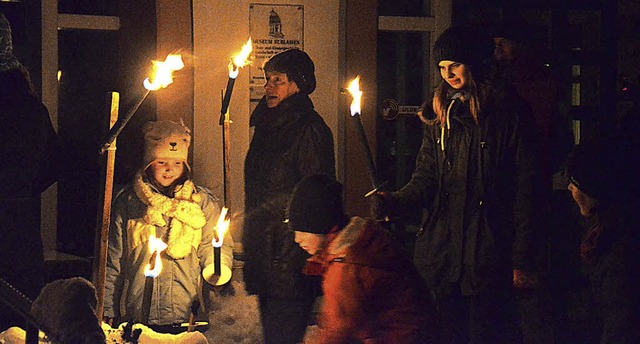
(215, 274)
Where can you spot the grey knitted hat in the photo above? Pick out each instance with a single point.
(8, 61)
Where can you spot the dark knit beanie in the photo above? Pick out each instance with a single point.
(316, 205)
(464, 44)
(597, 168)
(298, 67)
(516, 30)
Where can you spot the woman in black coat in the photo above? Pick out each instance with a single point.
(477, 176)
(27, 167)
(290, 141)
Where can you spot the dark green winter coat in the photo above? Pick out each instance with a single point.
(481, 195)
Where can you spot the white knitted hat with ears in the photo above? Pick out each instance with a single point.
(165, 140)
(7, 60)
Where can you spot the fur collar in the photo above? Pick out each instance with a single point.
(186, 216)
(346, 237)
(287, 112)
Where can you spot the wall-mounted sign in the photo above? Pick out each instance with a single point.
(391, 109)
(273, 29)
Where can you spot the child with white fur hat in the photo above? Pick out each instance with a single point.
(162, 201)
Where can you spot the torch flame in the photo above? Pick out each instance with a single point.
(221, 228)
(240, 60)
(156, 246)
(162, 74)
(354, 89)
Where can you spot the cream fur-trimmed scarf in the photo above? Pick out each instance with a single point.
(187, 216)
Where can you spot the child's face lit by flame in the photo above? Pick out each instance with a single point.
(167, 171)
(309, 242)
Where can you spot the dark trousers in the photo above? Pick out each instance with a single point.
(21, 254)
(284, 321)
(486, 318)
(536, 319)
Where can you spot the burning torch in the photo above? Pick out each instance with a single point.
(215, 274)
(235, 64)
(151, 271)
(356, 94)
(162, 76)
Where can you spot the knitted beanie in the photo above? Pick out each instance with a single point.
(165, 140)
(464, 44)
(298, 67)
(316, 205)
(516, 30)
(7, 60)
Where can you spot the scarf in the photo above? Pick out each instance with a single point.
(318, 264)
(187, 218)
(288, 111)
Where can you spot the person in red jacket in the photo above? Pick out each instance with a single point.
(372, 291)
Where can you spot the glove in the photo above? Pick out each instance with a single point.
(108, 321)
(382, 204)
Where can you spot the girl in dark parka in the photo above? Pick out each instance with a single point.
(477, 175)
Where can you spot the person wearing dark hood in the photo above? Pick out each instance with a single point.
(372, 291)
(65, 310)
(28, 156)
(604, 189)
(290, 141)
(477, 175)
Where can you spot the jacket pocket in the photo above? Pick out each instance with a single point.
(138, 233)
